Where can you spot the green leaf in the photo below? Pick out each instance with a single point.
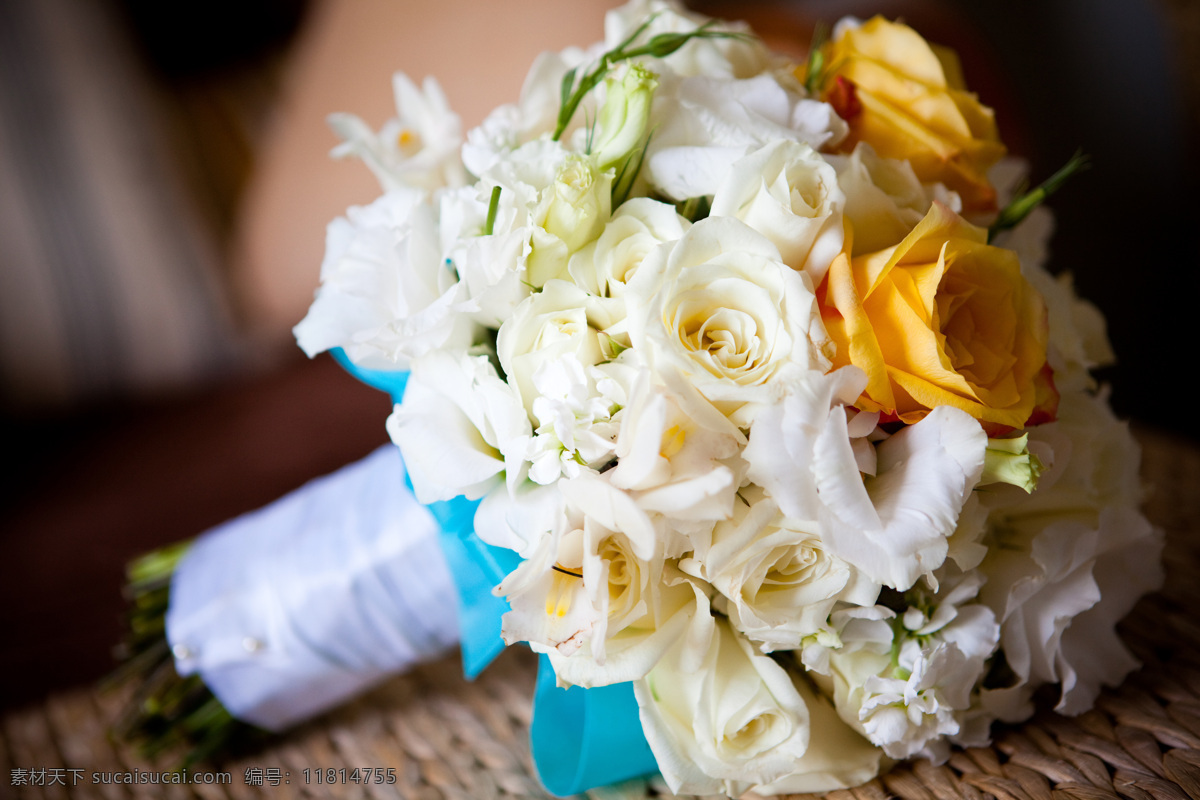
(814, 77)
(493, 207)
(623, 184)
(664, 44)
(568, 83)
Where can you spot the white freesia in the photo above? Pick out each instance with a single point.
(386, 294)
(889, 515)
(461, 429)
(908, 684)
(671, 464)
(705, 124)
(604, 266)
(722, 313)
(884, 198)
(741, 57)
(789, 194)
(548, 598)
(1068, 562)
(599, 598)
(781, 581)
(419, 147)
(725, 721)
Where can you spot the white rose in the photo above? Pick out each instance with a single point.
(705, 124)
(884, 198)
(890, 513)
(721, 313)
(781, 581)
(604, 266)
(461, 430)
(419, 147)
(722, 717)
(788, 193)
(837, 756)
(386, 295)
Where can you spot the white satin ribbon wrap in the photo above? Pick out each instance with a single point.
(290, 610)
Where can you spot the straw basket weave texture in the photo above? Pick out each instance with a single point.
(446, 738)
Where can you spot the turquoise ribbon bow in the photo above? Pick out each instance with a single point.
(580, 738)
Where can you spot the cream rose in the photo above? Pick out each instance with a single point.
(722, 717)
(781, 580)
(640, 225)
(789, 194)
(722, 313)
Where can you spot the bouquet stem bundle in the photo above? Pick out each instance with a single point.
(167, 713)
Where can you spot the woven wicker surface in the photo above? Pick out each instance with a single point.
(446, 738)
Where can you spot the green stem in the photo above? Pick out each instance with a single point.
(1023, 204)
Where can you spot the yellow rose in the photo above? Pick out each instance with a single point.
(907, 99)
(942, 318)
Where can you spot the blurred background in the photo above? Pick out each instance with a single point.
(164, 191)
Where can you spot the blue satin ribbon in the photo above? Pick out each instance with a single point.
(580, 738)
(583, 738)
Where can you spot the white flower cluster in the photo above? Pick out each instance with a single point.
(616, 340)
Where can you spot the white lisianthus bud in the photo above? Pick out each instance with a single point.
(624, 115)
(580, 204)
(1009, 461)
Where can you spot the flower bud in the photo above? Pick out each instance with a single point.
(578, 208)
(624, 115)
(1009, 461)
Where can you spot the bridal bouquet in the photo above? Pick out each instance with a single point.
(740, 387)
